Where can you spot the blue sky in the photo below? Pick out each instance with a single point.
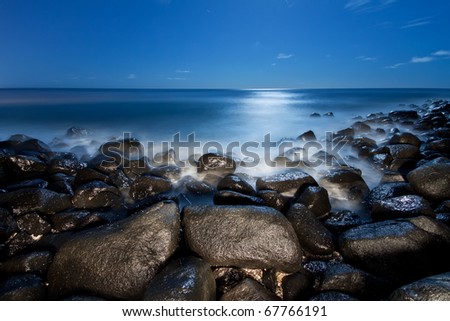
(225, 44)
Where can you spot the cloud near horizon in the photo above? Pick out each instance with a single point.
(284, 56)
(440, 54)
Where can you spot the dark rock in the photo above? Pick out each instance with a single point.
(401, 207)
(136, 167)
(197, 187)
(165, 158)
(380, 132)
(8, 225)
(185, 279)
(37, 183)
(347, 279)
(333, 296)
(87, 175)
(403, 151)
(33, 145)
(316, 199)
(275, 200)
(242, 236)
(26, 287)
(307, 136)
(105, 164)
(33, 224)
(347, 132)
(227, 278)
(341, 221)
(432, 288)
(35, 262)
(128, 148)
(403, 165)
(249, 290)
(65, 163)
(315, 115)
(297, 286)
(170, 172)
(361, 127)
(363, 143)
(388, 190)
(94, 195)
(405, 138)
(314, 238)
(233, 182)
(24, 167)
(148, 186)
(392, 177)
(441, 146)
(444, 207)
(77, 132)
(443, 218)
(19, 243)
(401, 250)
(292, 180)
(345, 185)
(84, 298)
(35, 200)
(119, 260)
(234, 198)
(398, 115)
(328, 114)
(76, 220)
(432, 181)
(216, 163)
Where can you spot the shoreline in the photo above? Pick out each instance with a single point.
(72, 224)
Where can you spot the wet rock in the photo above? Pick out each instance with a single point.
(341, 221)
(443, 218)
(401, 250)
(315, 115)
(24, 167)
(119, 260)
(119, 179)
(328, 114)
(105, 164)
(149, 186)
(355, 282)
(388, 190)
(33, 145)
(431, 181)
(185, 279)
(249, 290)
(297, 286)
(345, 185)
(94, 195)
(172, 173)
(405, 138)
(432, 288)
(84, 298)
(19, 243)
(392, 177)
(444, 207)
(234, 198)
(314, 238)
(275, 200)
(403, 151)
(227, 278)
(333, 296)
(292, 180)
(401, 207)
(76, 220)
(87, 175)
(37, 183)
(361, 127)
(35, 200)
(441, 146)
(315, 198)
(8, 225)
(33, 224)
(362, 143)
(77, 132)
(242, 236)
(25, 287)
(347, 132)
(165, 158)
(136, 167)
(216, 163)
(307, 136)
(128, 148)
(66, 163)
(197, 187)
(35, 262)
(233, 182)
(399, 115)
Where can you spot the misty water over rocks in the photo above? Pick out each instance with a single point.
(368, 220)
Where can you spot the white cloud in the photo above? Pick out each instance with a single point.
(284, 56)
(418, 60)
(442, 53)
(361, 6)
(417, 23)
(356, 4)
(176, 78)
(183, 71)
(365, 58)
(395, 66)
(131, 76)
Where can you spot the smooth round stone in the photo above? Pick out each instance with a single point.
(432, 288)
(401, 207)
(249, 290)
(234, 183)
(292, 180)
(432, 181)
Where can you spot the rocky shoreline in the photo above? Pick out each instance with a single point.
(113, 227)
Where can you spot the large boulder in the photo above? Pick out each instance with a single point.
(96, 194)
(432, 181)
(401, 207)
(401, 250)
(149, 186)
(388, 190)
(242, 236)
(345, 185)
(185, 279)
(316, 199)
(432, 288)
(235, 183)
(284, 182)
(118, 260)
